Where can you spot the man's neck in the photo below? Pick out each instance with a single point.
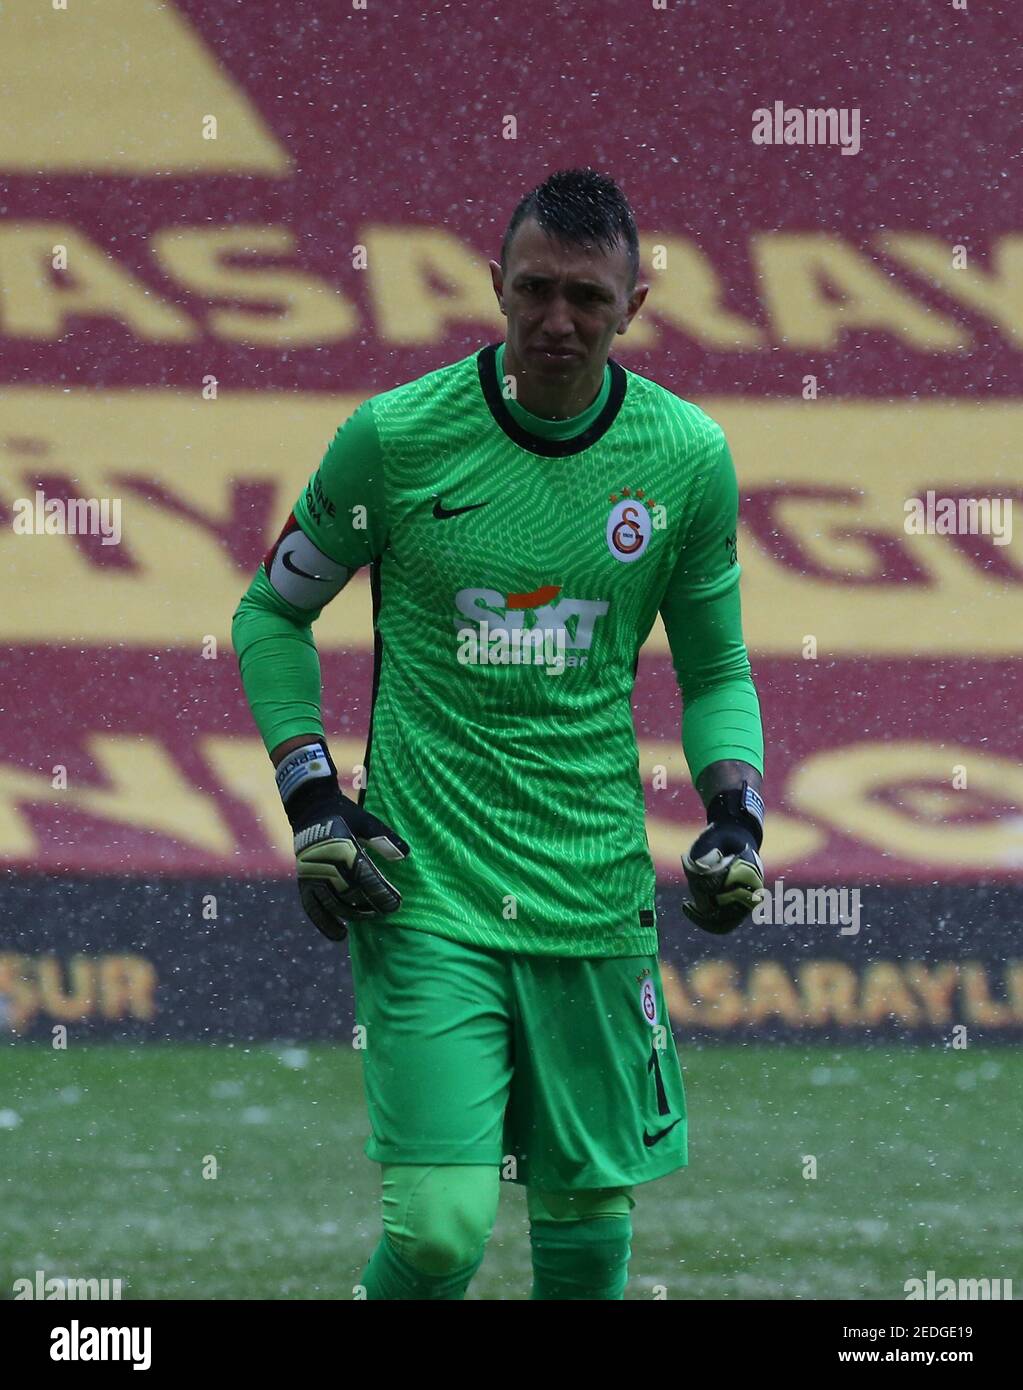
(551, 400)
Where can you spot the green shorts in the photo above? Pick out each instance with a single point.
(561, 1071)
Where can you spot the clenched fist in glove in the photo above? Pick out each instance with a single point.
(723, 868)
(337, 879)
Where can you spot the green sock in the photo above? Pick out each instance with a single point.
(581, 1259)
(390, 1276)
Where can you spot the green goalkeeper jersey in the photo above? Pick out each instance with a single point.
(517, 567)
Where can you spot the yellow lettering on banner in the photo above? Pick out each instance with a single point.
(935, 987)
(771, 993)
(793, 269)
(787, 839)
(656, 752)
(995, 293)
(306, 309)
(933, 803)
(405, 264)
(243, 769)
(120, 88)
(33, 304)
(841, 788)
(1014, 986)
(75, 1004)
(885, 996)
(113, 986)
(680, 1010)
(17, 990)
(978, 1006)
(718, 1002)
(688, 294)
(184, 584)
(127, 987)
(141, 787)
(835, 533)
(829, 991)
(668, 839)
(913, 448)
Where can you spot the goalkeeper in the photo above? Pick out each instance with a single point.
(525, 514)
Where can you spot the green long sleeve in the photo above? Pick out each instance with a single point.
(342, 512)
(702, 617)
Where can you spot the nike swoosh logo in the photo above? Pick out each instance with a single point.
(442, 513)
(286, 562)
(651, 1139)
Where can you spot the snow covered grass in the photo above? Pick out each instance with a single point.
(103, 1150)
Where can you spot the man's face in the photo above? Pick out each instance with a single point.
(564, 303)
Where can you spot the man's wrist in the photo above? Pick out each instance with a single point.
(307, 782)
(303, 766)
(741, 805)
(281, 751)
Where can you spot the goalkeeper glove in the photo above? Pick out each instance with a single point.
(723, 868)
(337, 880)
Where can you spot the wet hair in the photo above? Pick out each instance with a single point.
(583, 208)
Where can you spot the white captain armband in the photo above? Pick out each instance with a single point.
(300, 572)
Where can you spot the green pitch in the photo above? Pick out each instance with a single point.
(102, 1152)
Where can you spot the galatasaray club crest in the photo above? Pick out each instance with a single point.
(629, 525)
(648, 1002)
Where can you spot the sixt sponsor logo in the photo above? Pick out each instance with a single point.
(541, 628)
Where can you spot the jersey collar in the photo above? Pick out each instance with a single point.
(486, 362)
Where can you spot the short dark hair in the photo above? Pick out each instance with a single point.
(582, 207)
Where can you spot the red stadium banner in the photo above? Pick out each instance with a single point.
(191, 300)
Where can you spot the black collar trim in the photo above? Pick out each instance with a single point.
(486, 363)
